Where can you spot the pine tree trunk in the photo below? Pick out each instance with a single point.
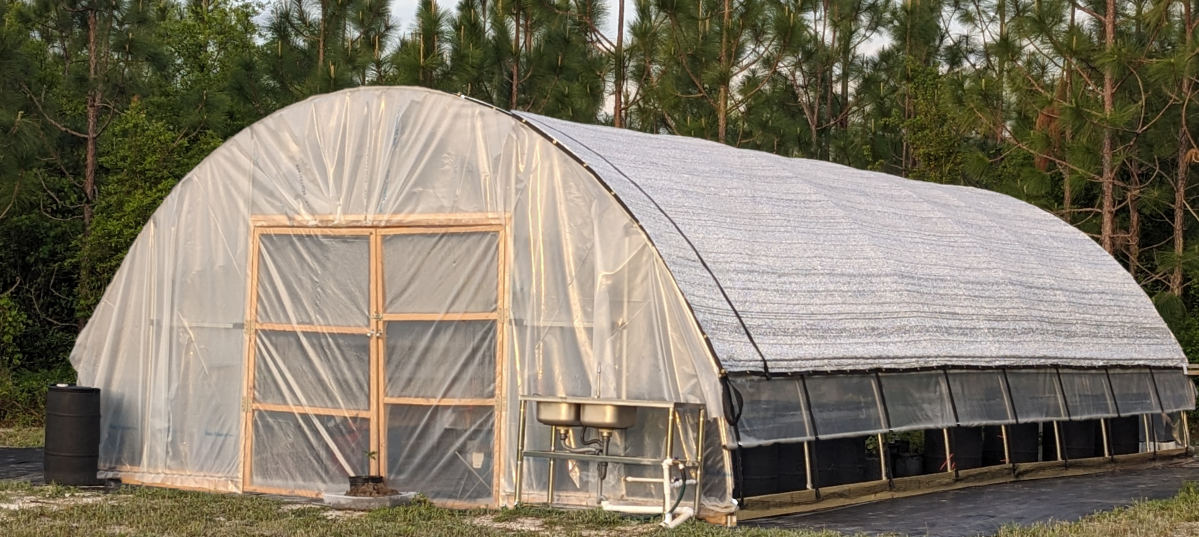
(515, 57)
(1134, 224)
(1183, 165)
(1067, 194)
(1180, 189)
(89, 170)
(93, 113)
(618, 98)
(722, 106)
(1108, 180)
(320, 43)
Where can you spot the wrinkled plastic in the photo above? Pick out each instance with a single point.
(773, 411)
(1036, 395)
(1087, 394)
(981, 398)
(1134, 391)
(845, 405)
(917, 400)
(366, 282)
(1176, 392)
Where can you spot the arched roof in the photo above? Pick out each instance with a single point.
(799, 265)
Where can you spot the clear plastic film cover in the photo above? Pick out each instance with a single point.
(1134, 391)
(845, 405)
(917, 400)
(772, 411)
(365, 283)
(1175, 389)
(981, 398)
(1036, 395)
(1087, 393)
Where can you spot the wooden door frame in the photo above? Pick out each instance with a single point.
(375, 228)
(499, 316)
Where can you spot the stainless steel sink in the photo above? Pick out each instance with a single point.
(558, 414)
(603, 416)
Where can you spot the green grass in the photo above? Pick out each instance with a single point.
(51, 511)
(22, 437)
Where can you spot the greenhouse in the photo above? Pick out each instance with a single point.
(489, 307)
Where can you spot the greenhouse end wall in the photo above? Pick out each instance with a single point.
(296, 267)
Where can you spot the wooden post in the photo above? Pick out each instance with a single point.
(1145, 427)
(1107, 453)
(1007, 453)
(882, 458)
(948, 454)
(520, 452)
(699, 459)
(247, 406)
(807, 461)
(501, 358)
(378, 443)
(549, 486)
(1186, 432)
(1057, 440)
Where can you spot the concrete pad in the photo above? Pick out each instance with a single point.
(367, 503)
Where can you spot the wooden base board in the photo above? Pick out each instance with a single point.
(829, 497)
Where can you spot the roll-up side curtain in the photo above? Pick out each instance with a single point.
(773, 411)
(1175, 392)
(800, 408)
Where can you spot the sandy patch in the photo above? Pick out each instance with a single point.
(1185, 529)
(518, 524)
(298, 506)
(33, 502)
(335, 514)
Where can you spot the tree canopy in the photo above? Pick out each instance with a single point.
(1081, 107)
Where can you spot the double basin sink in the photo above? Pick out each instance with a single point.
(597, 415)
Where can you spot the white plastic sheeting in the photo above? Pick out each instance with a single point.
(365, 282)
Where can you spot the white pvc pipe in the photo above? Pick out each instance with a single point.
(666, 464)
(679, 515)
(670, 519)
(684, 514)
(631, 509)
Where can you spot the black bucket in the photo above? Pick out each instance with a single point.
(1124, 435)
(759, 470)
(792, 468)
(1022, 443)
(359, 480)
(72, 449)
(840, 461)
(1077, 438)
(907, 465)
(966, 444)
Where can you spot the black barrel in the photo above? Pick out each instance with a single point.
(792, 468)
(1124, 435)
(1077, 438)
(72, 435)
(907, 465)
(759, 470)
(840, 461)
(966, 444)
(1023, 444)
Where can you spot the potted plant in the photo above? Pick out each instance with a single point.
(369, 485)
